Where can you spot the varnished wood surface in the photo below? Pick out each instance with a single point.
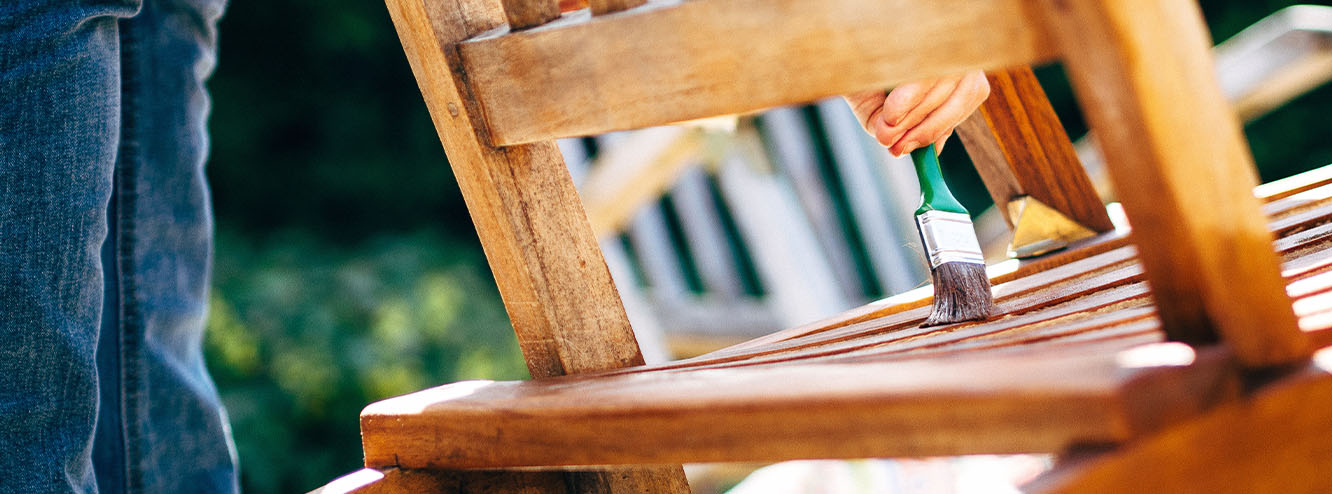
(1179, 162)
(600, 7)
(1020, 148)
(1041, 377)
(523, 14)
(1274, 441)
(1007, 404)
(555, 284)
(586, 75)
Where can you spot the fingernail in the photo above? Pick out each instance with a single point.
(909, 147)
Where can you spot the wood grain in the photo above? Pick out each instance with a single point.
(788, 398)
(1060, 278)
(1020, 148)
(523, 14)
(555, 284)
(1181, 167)
(549, 269)
(600, 7)
(907, 408)
(1274, 441)
(702, 58)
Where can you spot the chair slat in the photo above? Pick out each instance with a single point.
(910, 408)
(1032, 291)
(705, 58)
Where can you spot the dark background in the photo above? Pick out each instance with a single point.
(346, 267)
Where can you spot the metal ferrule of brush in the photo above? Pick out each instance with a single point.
(949, 237)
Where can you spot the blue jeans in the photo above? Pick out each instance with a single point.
(105, 249)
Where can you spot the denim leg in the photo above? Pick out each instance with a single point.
(164, 429)
(59, 118)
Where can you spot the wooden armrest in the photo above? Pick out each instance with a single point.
(1010, 404)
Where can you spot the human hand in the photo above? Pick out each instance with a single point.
(916, 114)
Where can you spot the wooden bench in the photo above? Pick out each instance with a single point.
(1207, 382)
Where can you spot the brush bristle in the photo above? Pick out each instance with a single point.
(961, 293)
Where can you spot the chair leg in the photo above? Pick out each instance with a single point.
(1178, 160)
(1020, 150)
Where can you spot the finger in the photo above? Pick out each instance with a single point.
(866, 105)
(957, 107)
(929, 102)
(939, 144)
(905, 97)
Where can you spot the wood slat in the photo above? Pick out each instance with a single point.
(1178, 160)
(910, 408)
(704, 58)
(1280, 203)
(1071, 298)
(1275, 441)
(1019, 148)
(922, 297)
(867, 323)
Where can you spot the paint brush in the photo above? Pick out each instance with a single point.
(961, 288)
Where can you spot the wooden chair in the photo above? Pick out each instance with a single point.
(1207, 382)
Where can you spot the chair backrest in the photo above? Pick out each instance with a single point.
(499, 96)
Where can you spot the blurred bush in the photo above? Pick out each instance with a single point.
(346, 267)
(303, 334)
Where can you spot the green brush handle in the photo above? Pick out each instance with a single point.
(934, 194)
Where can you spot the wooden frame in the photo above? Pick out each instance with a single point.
(498, 97)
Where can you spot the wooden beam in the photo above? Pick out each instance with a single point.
(1274, 441)
(872, 409)
(703, 58)
(550, 272)
(523, 14)
(1142, 70)
(1020, 149)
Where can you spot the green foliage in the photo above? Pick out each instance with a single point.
(318, 125)
(302, 335)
